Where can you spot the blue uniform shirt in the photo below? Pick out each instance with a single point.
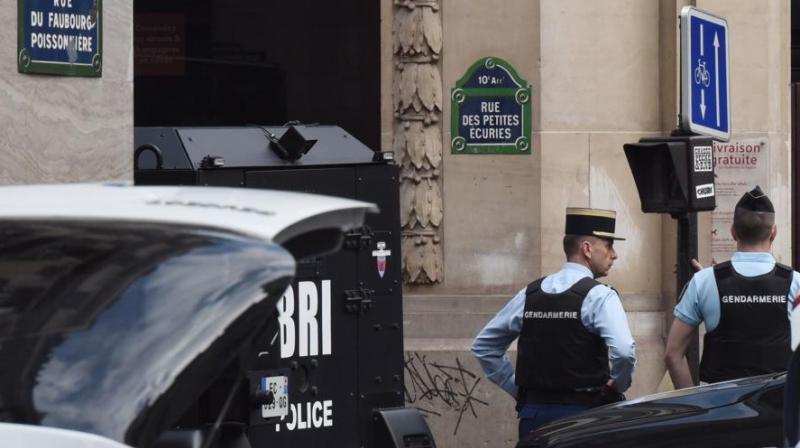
(700, 299)
(601, 313)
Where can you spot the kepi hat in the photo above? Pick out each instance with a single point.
(591, 221)
(756, 200)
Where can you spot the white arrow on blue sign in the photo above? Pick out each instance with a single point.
(705, 87)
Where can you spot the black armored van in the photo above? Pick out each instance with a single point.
(331, 374)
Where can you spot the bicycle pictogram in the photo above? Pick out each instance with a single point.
(701, 75)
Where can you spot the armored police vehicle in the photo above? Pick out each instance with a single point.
(131, 314)
(332, 372)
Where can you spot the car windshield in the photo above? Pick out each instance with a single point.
(98, 319)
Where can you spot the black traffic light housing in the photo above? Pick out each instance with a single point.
(673, 174)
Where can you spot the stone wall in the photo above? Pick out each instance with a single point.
(603, 73)
(57, 129)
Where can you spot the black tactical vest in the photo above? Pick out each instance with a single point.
(752, 337)
(555, 352)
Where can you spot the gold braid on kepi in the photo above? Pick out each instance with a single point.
(591, 221)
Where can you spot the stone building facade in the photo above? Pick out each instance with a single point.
(603, 73)
(477, 228)
(60, 129)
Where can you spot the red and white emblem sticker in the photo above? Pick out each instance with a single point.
(380, 255)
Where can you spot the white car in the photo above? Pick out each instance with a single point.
(121, 305)
(14, 435)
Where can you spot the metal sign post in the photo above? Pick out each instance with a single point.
(705, 110)
(687, 250)
(675, 174)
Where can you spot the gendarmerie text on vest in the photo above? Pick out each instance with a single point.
(753, 299)
(551, 315)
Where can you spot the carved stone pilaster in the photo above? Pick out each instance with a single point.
(417, 94)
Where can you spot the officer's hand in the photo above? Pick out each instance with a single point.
(610, 383)
(695, 265)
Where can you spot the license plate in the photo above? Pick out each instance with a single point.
(279, 386)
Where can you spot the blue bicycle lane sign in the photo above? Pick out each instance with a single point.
(705, 86)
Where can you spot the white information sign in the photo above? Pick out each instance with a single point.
(741, 164)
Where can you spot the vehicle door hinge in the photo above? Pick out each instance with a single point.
(358, 239)
(358, 301)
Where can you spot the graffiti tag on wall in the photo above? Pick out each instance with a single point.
(432, 387)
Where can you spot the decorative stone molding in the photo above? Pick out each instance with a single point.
(417, 94)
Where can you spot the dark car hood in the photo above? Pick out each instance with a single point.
(99, 322)
(646, 410)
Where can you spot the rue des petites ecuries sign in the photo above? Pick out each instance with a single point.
(491, 110)
(60, 37)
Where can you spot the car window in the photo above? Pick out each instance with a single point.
(97, 320)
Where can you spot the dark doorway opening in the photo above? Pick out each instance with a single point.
(240, 62)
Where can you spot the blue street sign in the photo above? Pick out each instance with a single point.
(60, 37)
(705, 87)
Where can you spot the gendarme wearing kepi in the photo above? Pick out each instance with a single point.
(745, 304)
(590, 221)
(570, 328)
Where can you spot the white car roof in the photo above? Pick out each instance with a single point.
(265, 214)
(28, 436)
